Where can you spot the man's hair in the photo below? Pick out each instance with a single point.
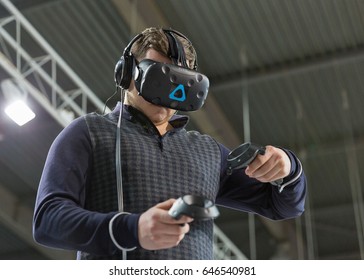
(156, 39)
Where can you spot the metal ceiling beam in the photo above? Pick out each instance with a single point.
(269, 72)
(23, 65)
(140, 14)
(18, 218)
(224, 249)
(34, 92)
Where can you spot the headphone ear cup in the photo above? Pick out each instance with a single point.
(124, 71)
(118, 71)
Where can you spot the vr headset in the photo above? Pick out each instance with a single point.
(170, 85)
(167, 85)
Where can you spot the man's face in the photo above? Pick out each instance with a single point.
(157, 114)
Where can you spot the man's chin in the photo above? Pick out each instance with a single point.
(160, 112)
(161, 109)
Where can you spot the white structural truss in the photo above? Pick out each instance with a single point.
(224, 248)
(44, 69)
(38, 75)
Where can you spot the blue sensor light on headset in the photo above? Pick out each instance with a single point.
(174, 94)
(171, 86)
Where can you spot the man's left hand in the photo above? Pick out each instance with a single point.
(273, 165)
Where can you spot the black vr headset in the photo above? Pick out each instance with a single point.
(167, 85)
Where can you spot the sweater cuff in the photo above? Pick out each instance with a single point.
(294, 175)
(123, 230)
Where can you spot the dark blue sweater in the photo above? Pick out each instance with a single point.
(61, 221)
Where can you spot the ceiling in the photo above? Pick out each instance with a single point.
(283, 72)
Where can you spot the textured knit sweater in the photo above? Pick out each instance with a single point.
(155, 169)
(77, 195)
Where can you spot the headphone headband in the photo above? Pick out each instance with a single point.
(124, 68)
(127, 49)
(181, 52)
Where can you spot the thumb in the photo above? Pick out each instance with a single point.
(166, 205)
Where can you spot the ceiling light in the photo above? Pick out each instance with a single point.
(15, 96)
(19, 112)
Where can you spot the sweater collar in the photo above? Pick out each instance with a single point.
(132, 114)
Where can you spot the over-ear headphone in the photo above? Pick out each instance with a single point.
(125, 67)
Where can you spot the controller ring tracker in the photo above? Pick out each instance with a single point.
(243, 155)
(196, 207)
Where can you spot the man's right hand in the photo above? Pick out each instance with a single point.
(158, 230)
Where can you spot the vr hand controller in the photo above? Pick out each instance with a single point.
(196, 207)
(243, 155)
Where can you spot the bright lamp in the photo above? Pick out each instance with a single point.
(19, 112)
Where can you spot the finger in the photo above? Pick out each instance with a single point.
(273, 166)
(174, 230)
(256, 164)
(163, 242)
(168, 241)
(183, 220)
(168, 219)
(269, 176)
(166, 236)
(276, 166)
(164, 217)
(265, 167)
(166, 205)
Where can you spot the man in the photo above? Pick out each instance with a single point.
(77, 203)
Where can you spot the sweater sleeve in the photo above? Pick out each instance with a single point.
(60, 221)
(240, 192)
